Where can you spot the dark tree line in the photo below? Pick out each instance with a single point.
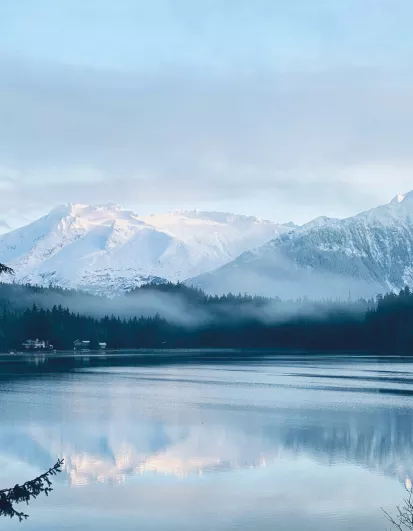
(230, 321)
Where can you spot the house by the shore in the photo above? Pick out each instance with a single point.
(83, 345)
(36, 344)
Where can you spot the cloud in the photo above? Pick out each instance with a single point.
(4, 226)
(330, 142)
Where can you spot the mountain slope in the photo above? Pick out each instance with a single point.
(106, 249)
(364, 254)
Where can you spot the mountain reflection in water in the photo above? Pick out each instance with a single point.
(117, 423)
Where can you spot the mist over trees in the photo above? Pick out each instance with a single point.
(188, 318)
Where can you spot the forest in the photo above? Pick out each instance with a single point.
(176, 316)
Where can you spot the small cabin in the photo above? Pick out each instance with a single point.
(35, 344)
(81, 344)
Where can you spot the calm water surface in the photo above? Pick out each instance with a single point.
(286, 443)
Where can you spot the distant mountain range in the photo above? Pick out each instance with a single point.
(105, 249)
(361, 256)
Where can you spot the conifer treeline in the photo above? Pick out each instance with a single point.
(232, 321)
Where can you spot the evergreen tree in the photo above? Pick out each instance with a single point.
(228, 321)
(5, 269)
(26, 492)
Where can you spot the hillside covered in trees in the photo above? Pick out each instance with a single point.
(175, 316)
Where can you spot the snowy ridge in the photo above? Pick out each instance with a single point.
(365, 254)
(106, 249)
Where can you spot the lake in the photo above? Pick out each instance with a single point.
(218, 441)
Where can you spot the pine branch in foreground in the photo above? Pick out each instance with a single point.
(5, 269)
(24, 493)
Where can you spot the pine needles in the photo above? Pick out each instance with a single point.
(24, 493)
(5, 269)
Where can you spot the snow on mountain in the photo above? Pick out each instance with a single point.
(365, 254)
(398, 198)
(106, 249)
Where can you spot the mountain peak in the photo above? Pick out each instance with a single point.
(291, 225)
(107, 248)
(399, 198)
(74, 209)
(368, 253)
(403, 198)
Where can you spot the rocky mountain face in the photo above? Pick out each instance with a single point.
(361, 255)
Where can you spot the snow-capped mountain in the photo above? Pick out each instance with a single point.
(106, 249)
(365, 254)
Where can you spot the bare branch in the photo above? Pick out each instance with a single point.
(403, 520)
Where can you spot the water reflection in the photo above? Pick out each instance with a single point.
(111, 452)
(114, 423)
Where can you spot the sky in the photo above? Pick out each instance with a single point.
(284, 109)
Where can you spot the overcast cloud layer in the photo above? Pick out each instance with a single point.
(270, 108)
